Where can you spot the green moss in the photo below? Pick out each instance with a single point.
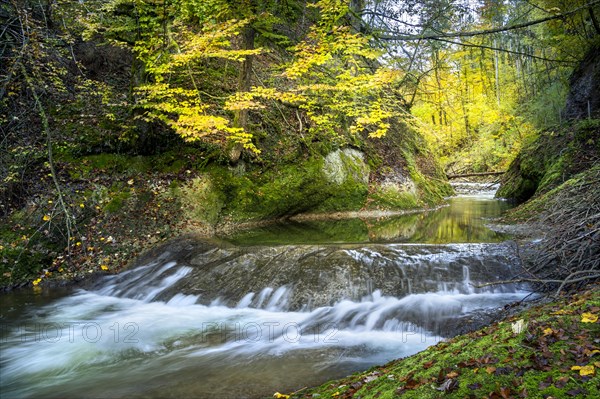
(543, 202)
(551, 159)
(173, 161)
(348, 196)
(118, 198)
(284, 191)
(432, 191)
(200, 201)
(390, 197)
(554, 174)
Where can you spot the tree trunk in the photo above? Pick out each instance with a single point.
(356, 7)
(244, 84)
(497, 72)
(594, 20)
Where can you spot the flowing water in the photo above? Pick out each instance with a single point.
(246, 317)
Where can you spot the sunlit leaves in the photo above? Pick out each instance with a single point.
(336, 78)
(213, 42)
(336, 47)
(179, 103)
(589, 318)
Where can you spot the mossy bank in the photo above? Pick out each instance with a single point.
(120, 204)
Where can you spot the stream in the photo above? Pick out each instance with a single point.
(270, 309)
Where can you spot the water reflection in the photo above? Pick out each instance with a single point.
(463, 221)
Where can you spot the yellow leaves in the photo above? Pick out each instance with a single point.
(104, 267)
(46, 218)
(278, 395)
(589, 318)
(548, 331)
(561, 312)
(245, 100)
(590, 353)
(373, 120)
(585, 370)
(238, 135)
(36, 281)
(336, 85)
(183, 111)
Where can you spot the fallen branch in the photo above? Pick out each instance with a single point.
(475, 174)
(594, 274)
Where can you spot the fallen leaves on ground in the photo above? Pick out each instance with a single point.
(589, 318)
(585, 370)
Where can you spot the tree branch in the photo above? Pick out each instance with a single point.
(466, 44)
(46, 128)
(500, 29)
(562, 283)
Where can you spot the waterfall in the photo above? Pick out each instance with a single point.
(268, 311)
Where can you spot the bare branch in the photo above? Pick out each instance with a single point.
(467, 44)
(500, 29)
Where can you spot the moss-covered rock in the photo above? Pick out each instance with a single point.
(395, 196)
(344, 164)
(521, 180)
(339, 181)
(200, 201)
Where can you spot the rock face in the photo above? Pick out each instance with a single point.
(585, 87)
(303, 277)
(556, 156)
(346, 163)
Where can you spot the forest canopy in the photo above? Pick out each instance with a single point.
(477, 77)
